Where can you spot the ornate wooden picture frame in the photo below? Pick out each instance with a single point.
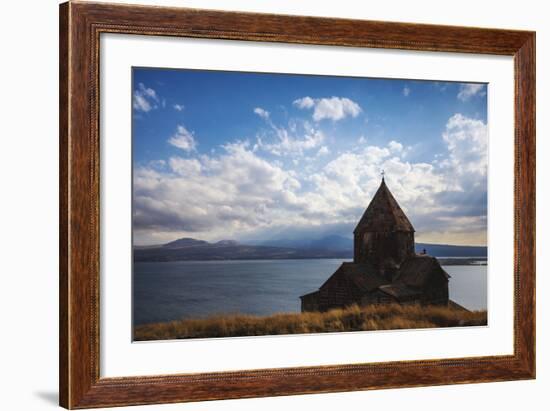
(81, 25)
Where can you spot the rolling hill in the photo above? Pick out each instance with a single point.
(187, 249)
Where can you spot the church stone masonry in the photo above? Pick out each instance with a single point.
(385, 267)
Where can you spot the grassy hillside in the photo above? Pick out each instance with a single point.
(354, 318)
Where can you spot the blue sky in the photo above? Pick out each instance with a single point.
(252, 156)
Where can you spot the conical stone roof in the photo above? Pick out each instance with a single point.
(383, 214)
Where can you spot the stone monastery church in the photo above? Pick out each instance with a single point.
(385, 267)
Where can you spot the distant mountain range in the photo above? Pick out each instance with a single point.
(333, 246)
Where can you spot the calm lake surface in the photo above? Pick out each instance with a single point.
(168, 291)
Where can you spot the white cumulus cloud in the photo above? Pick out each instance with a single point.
(304, 102)
(323, 151)
(145, 99)
(468, 91)
(213, 195)
(183, 139)
(241, 189)
(395, 146)
(292, 140)
(287, 144)
(185, 166)
(261, 112)
(466, 140)
(332, 108)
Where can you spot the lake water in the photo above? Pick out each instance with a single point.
(165, 291)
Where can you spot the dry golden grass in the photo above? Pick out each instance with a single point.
(353, 318)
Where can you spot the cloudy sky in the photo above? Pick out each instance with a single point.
(251, 157)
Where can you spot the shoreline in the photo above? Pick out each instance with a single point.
(353, 318)
(465, 261)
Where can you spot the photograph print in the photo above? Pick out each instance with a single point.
(273, 204)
